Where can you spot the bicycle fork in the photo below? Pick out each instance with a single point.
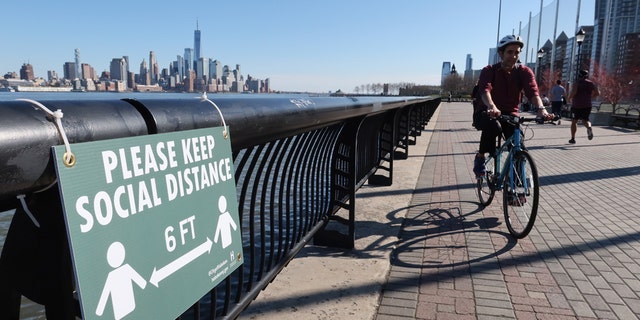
(520, 180)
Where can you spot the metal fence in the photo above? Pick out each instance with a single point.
(298, 162)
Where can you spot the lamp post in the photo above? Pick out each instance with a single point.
(579, 39)
(539, 66)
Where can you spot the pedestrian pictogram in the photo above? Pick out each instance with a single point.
(225, 224)
(119, 284)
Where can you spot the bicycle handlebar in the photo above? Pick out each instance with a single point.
(520, 119)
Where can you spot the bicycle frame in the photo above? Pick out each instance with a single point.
(521, 188)
(511, 145)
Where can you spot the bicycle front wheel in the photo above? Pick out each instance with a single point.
(484, 184)
(521, 195)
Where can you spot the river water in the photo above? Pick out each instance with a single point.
(7, 96)
(42, 96)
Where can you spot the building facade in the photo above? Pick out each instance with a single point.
(118, 71)
(188, 61)
(26, 72)
(620, 18)
(628, 62)
(446, 70)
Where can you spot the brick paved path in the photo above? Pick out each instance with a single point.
(456, 260)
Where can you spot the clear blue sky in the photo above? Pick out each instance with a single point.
(300, 45)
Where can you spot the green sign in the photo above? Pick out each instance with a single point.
(152, 221)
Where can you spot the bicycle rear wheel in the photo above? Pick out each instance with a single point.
(521, 195)
(484, 184)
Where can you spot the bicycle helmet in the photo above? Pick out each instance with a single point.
(583, 73)
(510, 39)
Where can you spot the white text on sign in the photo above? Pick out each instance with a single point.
(186, 226)
(136, 162)
(141, 160)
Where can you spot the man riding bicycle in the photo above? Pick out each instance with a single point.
(501, 86)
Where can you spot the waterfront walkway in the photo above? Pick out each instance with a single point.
(427, 250)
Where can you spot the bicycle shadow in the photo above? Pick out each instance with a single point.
(454, 229)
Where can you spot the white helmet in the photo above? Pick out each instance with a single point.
(510, 39)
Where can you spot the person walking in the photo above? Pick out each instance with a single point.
(557, 93)
(501, 86)
(581, 94)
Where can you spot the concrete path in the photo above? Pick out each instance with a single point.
(427, 250)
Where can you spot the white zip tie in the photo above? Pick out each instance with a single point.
(69, 158)
(204, 97)
(26, 209)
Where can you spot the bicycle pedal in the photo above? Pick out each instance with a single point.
(517, 201)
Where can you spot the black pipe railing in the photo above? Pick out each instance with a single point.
(298, 161)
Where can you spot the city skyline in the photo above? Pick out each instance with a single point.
(339, 46)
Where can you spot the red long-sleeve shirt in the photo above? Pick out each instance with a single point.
(506, 87)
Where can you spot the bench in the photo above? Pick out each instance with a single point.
(602, 107)
(627, 116)
(601, 114)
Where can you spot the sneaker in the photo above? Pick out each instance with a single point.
(572, 141)
(478, 166)
(559, 122)
(589, 133)
(517, 201)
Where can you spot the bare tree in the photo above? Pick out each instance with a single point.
(452, 83)
(546, 80)
(612, 89)
(376, 88)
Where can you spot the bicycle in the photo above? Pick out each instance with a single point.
(512, 170)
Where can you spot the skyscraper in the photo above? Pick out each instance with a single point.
(180, 67)
(87, 71)
(144, 74)
(203, 69)
(196, 43)
(188, 61)
(215, 69)
(118, 69)
(446, 70)
(69, 70)
(26, 72)
(154, 69)
(620, 18)
(197, 54)
(52, 75)
(78, 70)
(128, 84)
(237, 72)
(468, 69)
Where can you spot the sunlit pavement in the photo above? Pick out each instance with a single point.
(456, 260)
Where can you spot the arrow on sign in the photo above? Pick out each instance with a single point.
(175, 265)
